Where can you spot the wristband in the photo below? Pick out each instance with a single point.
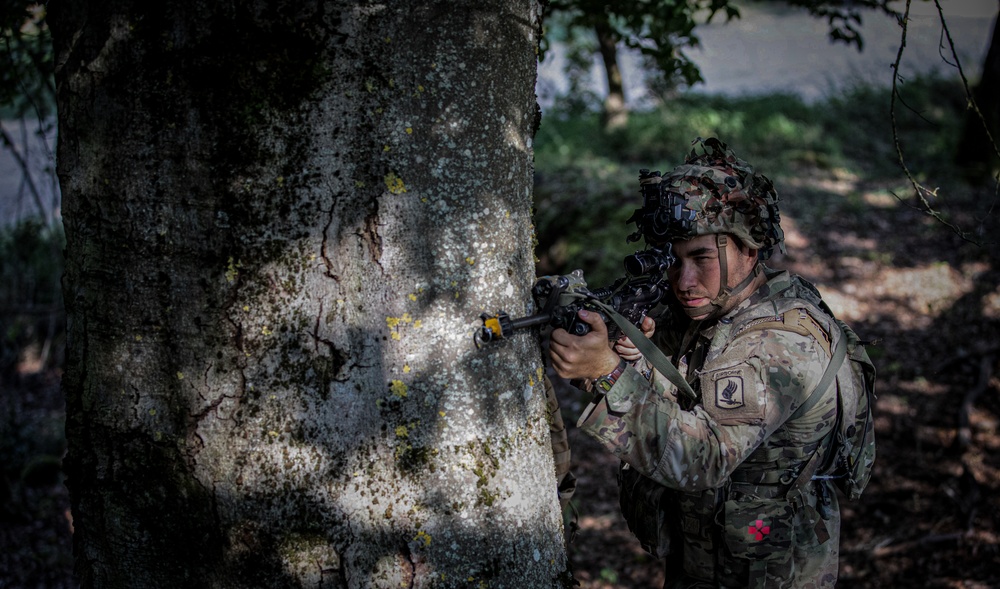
(604, 383)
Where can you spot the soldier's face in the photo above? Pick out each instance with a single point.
(696, 277)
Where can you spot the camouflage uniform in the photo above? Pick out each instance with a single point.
(732, 460)
(723, 486)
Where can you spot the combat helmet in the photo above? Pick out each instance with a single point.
(712, 192)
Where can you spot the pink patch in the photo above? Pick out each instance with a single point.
(758, 530)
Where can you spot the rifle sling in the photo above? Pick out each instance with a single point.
(652, 353)
(663, 365)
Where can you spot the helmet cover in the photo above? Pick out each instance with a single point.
(712, 192)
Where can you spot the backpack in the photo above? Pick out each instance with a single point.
(849, 465)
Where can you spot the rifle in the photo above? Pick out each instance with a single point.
(560, 298)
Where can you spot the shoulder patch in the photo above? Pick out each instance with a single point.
(732, 395)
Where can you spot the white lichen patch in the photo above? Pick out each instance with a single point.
(306, 558)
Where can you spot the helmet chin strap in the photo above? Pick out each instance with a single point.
(718, 304)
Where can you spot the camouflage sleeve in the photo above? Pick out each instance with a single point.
(747, 392)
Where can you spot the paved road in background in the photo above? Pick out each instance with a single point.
(17, 199)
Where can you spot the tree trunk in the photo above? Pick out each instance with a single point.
(977, 155)
(283, 220)
(615, 112)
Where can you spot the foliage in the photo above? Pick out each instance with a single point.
(26, 63)
(586, 187)
(845, 18)
(660, 29)
(27, 94)
(581, 45)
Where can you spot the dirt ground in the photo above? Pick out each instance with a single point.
(930, 516)
(35, 524)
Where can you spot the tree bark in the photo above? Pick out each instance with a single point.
(977, 155)
(283, 220)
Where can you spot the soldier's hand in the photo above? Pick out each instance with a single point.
(583, 356)
(624, 346)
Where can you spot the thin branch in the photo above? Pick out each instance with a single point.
(920, 191)
(34, 51)
(893, 547)
(972, 103)
(965, 82)
(964, 437)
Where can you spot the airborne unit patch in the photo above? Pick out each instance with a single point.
(731, 395)
(729, 391)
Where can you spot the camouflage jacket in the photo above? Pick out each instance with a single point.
(735, 466)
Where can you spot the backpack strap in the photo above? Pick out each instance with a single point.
(803, 324)
(829, 375)
(828, 378)
(796, 320)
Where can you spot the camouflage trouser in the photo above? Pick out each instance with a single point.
(759, 535)
(643, 504)
(560, 446)
(760, 544)
(717, 539)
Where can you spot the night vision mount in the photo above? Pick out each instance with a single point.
(662, 216)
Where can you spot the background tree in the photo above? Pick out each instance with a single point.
(661, 31)
(978, 154)
(282, 220)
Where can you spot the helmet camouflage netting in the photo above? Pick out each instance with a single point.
(712, 192)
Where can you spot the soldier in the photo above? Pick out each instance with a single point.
(727, 482)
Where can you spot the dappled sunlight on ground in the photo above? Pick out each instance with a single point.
(991, 304)
(914, 296)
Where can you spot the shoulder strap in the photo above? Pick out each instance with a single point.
(803, 324)
(795, 319)
(829, 375)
